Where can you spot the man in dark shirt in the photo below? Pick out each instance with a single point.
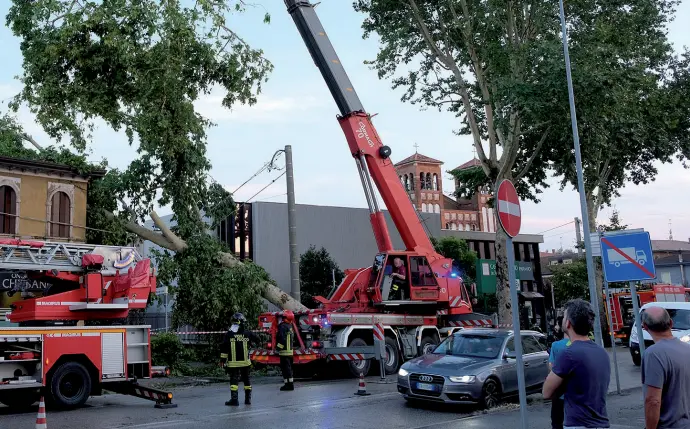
(582, 372)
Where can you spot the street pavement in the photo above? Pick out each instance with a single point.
(317, 404)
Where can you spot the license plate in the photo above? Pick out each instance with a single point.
(426, 386)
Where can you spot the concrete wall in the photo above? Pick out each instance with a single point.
(344, 232)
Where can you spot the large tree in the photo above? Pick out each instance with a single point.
(483, 61)
(138, 66)
(500, 67)
(317, 273)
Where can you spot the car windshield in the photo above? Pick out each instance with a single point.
(472, 345)
(681, 318)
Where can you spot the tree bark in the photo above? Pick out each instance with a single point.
(171, 241)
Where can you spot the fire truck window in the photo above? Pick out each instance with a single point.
(421, 273)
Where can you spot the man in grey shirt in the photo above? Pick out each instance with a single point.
(665, 374)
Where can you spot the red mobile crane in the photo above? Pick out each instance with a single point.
(341, 329)
(70, 342)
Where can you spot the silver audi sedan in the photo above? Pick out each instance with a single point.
(475, 366)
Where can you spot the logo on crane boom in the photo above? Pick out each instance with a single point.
(363, 134)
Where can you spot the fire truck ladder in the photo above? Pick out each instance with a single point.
(46, 256)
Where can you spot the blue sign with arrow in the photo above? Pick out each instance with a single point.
(627, 257)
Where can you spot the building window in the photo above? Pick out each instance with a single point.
(446, 216)
(60, 210)
(59, 217)
(435, 182)
(422, 182)
(453, 216)
(411, 182)
(423, 207)
(467, 227)
(8, 210)
(437, 208)
(423, 195)
(407, 183)
(474, 227)
(428, 181)
(436, 197)
(474, 216)
(447, 225)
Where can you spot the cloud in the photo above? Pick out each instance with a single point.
(268, 109)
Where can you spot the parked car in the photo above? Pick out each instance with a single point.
(680, 315)
(475, 366)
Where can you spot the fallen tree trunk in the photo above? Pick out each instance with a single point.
(169, 240)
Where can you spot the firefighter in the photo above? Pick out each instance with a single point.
(284, 340)
(234, 355)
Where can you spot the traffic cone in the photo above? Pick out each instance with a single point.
(362, 389)
(41, 417)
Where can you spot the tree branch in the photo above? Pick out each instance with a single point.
(270, 292)
(530, 160)
(31, 140)
(457, 74)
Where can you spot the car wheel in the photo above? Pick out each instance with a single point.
(637, 360)
(358, 367)
(427, 345)
(392, 362)
(70, 385)
(491, 394)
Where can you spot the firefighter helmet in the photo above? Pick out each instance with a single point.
(238, 318)
(288, 316)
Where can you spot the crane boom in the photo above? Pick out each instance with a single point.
(371, 156)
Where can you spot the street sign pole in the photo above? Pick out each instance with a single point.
(516, 333)
(638, 324)
(510, 218)
(581, 186)
(613, 338)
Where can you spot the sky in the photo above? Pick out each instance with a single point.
(296, 109)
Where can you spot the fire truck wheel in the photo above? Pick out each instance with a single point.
(392, 362)
(357, 367)
(19, 399)
(70, 385)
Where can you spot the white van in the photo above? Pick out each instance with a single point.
(680, 314)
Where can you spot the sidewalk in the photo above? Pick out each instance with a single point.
(625, 412)
(630, 375)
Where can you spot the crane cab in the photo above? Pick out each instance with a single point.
(404, 277)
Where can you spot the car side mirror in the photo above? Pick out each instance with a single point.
(509, 355)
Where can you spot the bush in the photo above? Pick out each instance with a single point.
(166, 349)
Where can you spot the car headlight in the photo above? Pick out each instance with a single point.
(403, 373)
(463, 379)
(685, 338)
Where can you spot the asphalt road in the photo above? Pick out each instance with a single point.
(314, 404)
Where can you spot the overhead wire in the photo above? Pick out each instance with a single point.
(556, 227)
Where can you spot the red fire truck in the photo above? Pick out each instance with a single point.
(621, 307)
(71, 342)
(434, 299)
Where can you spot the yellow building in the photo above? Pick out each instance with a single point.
(42, 200)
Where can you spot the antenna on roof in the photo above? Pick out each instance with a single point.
(670, 230)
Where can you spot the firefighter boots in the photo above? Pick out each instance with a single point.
(288, 386)
(248, 396)
(234, 399)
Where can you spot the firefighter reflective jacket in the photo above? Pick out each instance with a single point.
(284, 339)
(234, 351)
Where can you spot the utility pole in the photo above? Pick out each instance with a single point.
(581, 185)
(292, 225)
(578, 237)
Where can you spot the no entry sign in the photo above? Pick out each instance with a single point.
(509, 208)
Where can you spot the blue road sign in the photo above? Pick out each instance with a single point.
(627, 257)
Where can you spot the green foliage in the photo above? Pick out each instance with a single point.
(458, 250)
(629, 112)
(166, 349)
(316, 275)
(569, 281)
(614, 223)
(207, 293)
(139, 66)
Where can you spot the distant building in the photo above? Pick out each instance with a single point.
(672, 261)
(423, 180)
